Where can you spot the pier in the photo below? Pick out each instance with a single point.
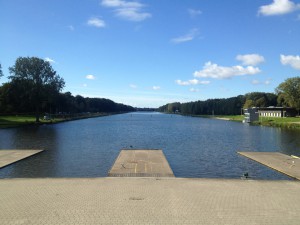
(141, 163)
(142, 189)
(8, 157)
(289, 165)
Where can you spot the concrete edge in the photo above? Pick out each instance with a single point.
(268, 165)
(36, 152)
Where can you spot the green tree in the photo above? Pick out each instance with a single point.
(289, 93)
(248, 104)
(261, 102)
(1, 73)
(38, 78)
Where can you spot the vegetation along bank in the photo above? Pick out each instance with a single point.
(34, 94)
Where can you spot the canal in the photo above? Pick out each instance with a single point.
(194, 147)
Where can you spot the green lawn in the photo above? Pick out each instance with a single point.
(17, 120)
(285, 122)
(14, 121)
(288, 122)
(238, 118)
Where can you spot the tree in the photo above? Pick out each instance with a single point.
(38, 80)
(1, 73)
(248, 104)
(289, 93)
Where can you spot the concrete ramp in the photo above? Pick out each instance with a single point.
(8, 157)
(141, 163)
(289, 165)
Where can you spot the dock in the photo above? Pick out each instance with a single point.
(289, 165)
(141, 163)
(8, 157)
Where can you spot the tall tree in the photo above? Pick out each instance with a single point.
(38, 78)
(289, 92)
(1, 73)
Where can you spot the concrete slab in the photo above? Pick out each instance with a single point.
(141, 163)
(286, 164)
(8, 157)
(148, 201)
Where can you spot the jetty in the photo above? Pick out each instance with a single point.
(141, 189)
(289, 165)
(141, 163)
(8, 157)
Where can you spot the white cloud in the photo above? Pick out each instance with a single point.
(156, 88)
(191, 82)
(278, 7)
(293, 61)
(90, 77)
(121, 3)
(257, 82)
(194, 90)
(127, 10)
(182, 83)
(194, 12)
(215, 71)
(250, 59)
(133, 86)
(132, 14)
(187, 37)
(47, 59)
(96, 22)
(84, 85)
(268, 81)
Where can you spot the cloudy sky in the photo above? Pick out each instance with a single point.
(148, 53)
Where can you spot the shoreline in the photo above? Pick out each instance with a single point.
(282, 122)
(14, 121)
(292, 123)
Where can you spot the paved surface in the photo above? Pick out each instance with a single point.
(141, 163)
(283, 163)
(8, 157)
(148, 201)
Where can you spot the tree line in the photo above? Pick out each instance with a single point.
(35, 88)
(287, 94)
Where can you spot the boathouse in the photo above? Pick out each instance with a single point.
(272, 111)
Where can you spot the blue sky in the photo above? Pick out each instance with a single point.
(148, 53)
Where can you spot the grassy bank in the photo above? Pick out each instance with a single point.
(288, 122)
(284, 122)
(238, 118)
(17, 120)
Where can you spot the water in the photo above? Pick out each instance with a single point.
(194, 147)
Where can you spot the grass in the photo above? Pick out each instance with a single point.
(238, 118)
(285, 122)
(15, 121)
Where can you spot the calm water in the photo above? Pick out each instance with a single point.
(194, 147)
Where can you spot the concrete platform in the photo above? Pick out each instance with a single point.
(141, 163)
(8, 157)
(148, 201)
(283, 163)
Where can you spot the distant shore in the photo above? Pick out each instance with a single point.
(283, 122)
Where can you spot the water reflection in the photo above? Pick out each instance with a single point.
(194, 147)
(32, 137)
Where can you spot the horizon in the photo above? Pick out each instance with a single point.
(148, 53)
